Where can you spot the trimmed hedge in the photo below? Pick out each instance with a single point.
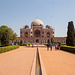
(45, 44)
(8, 48)
(25, 44)
(67, 48)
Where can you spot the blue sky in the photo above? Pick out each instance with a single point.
(56, 13)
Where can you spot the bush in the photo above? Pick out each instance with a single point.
(68, 48)
(8, 48)
(45, 44)
(63, 44)
(25, 44)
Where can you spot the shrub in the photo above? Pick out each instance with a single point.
(63, 44)
(68, 48)
(8, 48)
(45, 44)
(25, 44)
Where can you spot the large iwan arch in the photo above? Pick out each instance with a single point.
(37, 33)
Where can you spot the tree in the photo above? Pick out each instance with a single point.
(5, 39)
(13, 37)
(52, 40)
(20, 41)
(48, 41)
(74, 33)
(70, 41)
(10, 32)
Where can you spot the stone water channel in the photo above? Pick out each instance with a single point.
(38, 65)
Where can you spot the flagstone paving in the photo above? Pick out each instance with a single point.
(17, 62)
(58, 62)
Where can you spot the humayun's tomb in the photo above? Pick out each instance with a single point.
(38, 34)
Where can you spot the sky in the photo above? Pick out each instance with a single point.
(56, 13)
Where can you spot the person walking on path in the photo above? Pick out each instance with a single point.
(59, 46)
(51, 46)
(55, 46)
(32, 44)
(48, 46)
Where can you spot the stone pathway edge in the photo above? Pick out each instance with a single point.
(33, 68)
(42, 65)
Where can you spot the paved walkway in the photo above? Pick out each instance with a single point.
(58, 62)
(17, 62)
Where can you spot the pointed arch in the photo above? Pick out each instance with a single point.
(37, 33)
(26, 34)
(48, 34)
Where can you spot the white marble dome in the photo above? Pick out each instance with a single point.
(37, 22)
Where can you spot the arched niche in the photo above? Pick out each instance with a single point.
(26, 34)
(48, 34)
(37, 33)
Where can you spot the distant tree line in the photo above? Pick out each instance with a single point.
(70, 41)
(6, 34)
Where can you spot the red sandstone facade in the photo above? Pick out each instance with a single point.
(38, 34)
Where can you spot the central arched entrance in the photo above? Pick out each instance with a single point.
(37, 33)
(37, 41)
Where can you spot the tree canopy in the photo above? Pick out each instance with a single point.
(4, 31)
(70, 41)
(52, 40)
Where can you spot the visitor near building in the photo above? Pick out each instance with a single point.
(55, 46)
(32, 44)
(48, 46)
(12, 44)
(51, 46)
(59, 46)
